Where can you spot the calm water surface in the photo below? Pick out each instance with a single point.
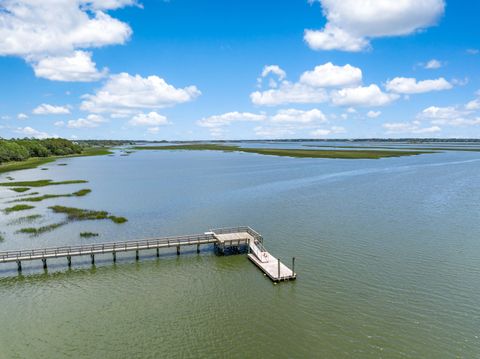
(388, 260)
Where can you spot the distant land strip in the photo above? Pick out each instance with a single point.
(338, 154)
(472, 149)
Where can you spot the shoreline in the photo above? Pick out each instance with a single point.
(35, 162)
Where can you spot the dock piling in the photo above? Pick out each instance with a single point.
(198, 248)
(114, 257)
(19, 266)
(92, 256)
(136, 255)
(69, 260)
(44, 260)
(158, 252)
(178, 250)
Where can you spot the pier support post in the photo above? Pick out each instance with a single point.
(279, 268)
(293, 266)
(44, 260)
(114, 257)
(198, 248)
(136, 255)
(93, 259)
(19, 266)
(69, 259)
(158, 252)
(178, 250)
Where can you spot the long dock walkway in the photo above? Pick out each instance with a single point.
(224, 240)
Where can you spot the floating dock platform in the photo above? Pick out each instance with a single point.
(225, 241)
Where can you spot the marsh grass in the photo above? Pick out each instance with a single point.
(80, 193)
(20, 189)
(17, 208)
(40, 183)
(118, 220)
(284, 152)
(27, 194)
(78, 214)
(26, 219)
(35, 231)
(88, 234)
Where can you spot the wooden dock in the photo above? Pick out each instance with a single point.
(224, 240)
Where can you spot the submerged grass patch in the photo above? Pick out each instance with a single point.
(80, 193)
(88, 234)
(40, 183)
(302, 153)
(26, 219)
(28, 194)
(35, 231)
(20, 189)
(78, 214)
(18, 207)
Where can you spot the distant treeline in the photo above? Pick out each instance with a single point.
(23, 149)
(106, 143)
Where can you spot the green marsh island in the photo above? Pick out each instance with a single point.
(335, 154)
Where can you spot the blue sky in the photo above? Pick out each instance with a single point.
(185, 69)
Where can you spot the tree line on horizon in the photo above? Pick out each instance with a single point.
(25, 148)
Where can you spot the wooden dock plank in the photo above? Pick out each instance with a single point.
(270, 268)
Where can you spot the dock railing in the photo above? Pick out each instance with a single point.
(152, 243)
(246, 229)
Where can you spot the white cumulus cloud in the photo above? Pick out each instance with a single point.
(148, 119)
(352, 23)
(322, 132)
(47, 33)
(73, 67)
(370, 96)
(330, 75)
(298, 116)
(450, 115)
(31, 132)
(91, 121)
(274, 69)
(127, 94)
(433, 64)
(289, 93)
(410, 85)
(473, 105)
(373, 114)
(22, 116)
(414, 127)
(46, 109)
(228, 118)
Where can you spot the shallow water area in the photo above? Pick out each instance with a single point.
(387, 256)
